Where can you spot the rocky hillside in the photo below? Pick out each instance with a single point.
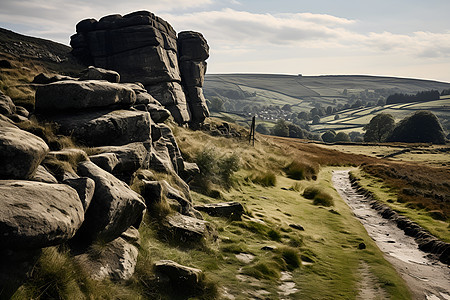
(68, 161)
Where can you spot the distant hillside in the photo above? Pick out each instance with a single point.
(266, 89)
(272, 96)
(23, 49)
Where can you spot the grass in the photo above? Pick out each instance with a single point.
(389, 196)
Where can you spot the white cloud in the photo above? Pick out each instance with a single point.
(230, 28)
(56, 19)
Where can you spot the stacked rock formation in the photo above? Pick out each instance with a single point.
(143, 48)
(44, 206)
(193, 51)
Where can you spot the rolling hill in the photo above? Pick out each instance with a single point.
(244, 95)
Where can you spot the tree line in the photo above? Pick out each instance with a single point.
(422, 96)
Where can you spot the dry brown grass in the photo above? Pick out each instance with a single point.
(418, 184)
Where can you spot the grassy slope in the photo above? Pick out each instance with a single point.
(330, 239)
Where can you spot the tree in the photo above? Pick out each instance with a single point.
(316, 119)
(261, 128)
(281, 128)
(329, 136)
(421, 127)
(379, 128)
(342, 137)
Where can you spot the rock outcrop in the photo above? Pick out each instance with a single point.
(65, 196)
(36, 215)
(20, 152)
(144, 48)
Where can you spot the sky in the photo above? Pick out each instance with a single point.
(402, 38)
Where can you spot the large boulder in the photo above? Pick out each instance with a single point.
(188, 231)
(142, 47)
(116, 260)
(106, 127)
(129, 157)
(193, 51)
(192, 46)
(72, 95)
(232, 210)
(20, 152)
(114, 207)
(171, 95)
(178, 276)
(36, 215)
(93, 73)
(7, 106)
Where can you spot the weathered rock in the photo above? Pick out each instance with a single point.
(7, 106)
(182, 205)
(232, 210)
(197, 104)
(43, 78)
(193, 73)
(297, 226)
(114, 207)
(36, 215)
(69, 155)
(192, 46)
(22, 111)
(43, 175)
(179, 276)
(75, 95)
(160, 160)
(93, 73)
(187, 230)
(14, 267)
(130, 157)
(193, 51)
(171, 95)
(106, 127)
(106, 161)
(146, 102)
(20, 152)
(151, 192)
(116, 261)
(85, 188)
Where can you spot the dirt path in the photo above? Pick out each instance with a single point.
(427, 279)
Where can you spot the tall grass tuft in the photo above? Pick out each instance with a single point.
(318, 196)
(301, 170)
(266, 179)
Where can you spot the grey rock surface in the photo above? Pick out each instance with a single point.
(93, 73)
(72, 95)
(106, 127)
(20, 152)
(114, 207)
(116, 261)
(36, 215)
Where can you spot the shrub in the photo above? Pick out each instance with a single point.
(291, 257)
(318, 196)
(266, 179)
(300, 170)
(215, 169)
(311, 192)
(324, 199)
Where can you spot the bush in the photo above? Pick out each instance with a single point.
(300, 170)
(324, 199)
(266, 179)
(318, 196)
(215, 169)
(291, 257)
(311, 192)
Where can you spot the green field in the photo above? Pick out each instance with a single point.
(303, 93)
